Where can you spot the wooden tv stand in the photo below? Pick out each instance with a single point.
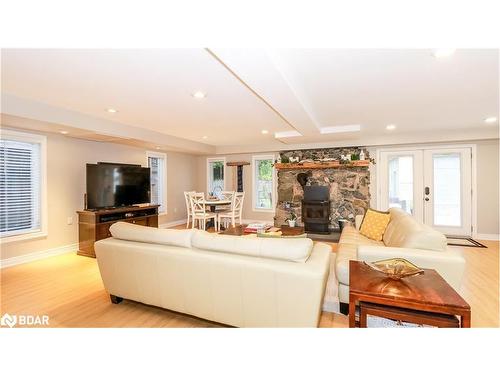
(94, 225)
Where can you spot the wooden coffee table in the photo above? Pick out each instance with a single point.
(425, 293)
(239, 230)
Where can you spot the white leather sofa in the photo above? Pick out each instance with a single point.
(404, 238)
(238, 281)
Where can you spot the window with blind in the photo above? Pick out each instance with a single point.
(157, 162)
(20, 184)
(263, 182)
(215, 176)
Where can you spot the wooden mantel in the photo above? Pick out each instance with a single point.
(320, 165)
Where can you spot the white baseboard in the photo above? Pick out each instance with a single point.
(31, 257)
(171, 224)
(487, 236)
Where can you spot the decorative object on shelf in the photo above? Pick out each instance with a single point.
(354, 157)
(362, 155)
(395, 268)
(292, 219)
(294, 159)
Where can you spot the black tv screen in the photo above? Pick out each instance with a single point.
(116, 185)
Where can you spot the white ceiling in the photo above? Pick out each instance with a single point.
(253, 89)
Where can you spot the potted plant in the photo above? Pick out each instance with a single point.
(292, 219)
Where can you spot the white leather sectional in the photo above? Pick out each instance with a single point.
(405, 238)
(238, 281)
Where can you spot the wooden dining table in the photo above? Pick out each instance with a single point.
(213, 203)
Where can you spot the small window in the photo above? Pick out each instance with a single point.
(263, 182)
(215, 178)
(157, 162)
(22, 189)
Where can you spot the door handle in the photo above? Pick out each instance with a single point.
(427, 190)
(426, 199)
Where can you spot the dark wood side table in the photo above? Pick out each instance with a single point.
(423, 295)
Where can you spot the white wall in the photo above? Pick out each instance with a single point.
(66, 159)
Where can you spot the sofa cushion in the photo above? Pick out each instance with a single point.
(295, 250)
(404, 231)
(139, 233)
(352, 236)
(374, 224)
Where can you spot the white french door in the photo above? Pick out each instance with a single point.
(434, 185)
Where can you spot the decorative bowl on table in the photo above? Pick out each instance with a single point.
(395, 268)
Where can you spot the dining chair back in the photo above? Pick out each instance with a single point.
(189, 210)
(197, 202)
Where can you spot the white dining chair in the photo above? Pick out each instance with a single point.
(235, 212)
(188, 206)
(199, 211)
(227, 196)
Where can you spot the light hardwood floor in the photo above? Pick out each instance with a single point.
(68, 289)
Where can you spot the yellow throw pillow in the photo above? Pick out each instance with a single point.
(374, 224)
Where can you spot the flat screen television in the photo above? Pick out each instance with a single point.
(116, 185)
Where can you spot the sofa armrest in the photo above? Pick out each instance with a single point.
(450, 264)
(358, 220)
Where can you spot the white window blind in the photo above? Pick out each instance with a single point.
(20, 193)
(157, 164)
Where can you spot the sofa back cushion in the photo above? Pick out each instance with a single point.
(139, 233)
(404, 231)
(294, 250)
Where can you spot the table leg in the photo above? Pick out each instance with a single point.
(352, 312)
(362, 316)
(465, 320)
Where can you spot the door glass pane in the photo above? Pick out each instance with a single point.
(401, 182)
(447, 195)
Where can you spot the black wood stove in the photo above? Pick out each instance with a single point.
(316, 209)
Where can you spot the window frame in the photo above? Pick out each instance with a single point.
(42, 232)
(256, 158)
(223, 160)
(163, 209)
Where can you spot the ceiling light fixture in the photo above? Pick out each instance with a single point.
(443, 52)
(390, 127)
(63, 132)
(205, 137)
(490, 120)
(111, 110)
(199, 95)
(288, 134)
(264, 131)
(340, 129)
(158, 147)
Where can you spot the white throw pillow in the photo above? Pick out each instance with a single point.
(139, 233)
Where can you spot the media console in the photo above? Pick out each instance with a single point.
(93, 225)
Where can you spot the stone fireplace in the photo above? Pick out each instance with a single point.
(348, 186)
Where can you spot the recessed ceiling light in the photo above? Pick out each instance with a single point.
(205, 137)
(199, 95)
(443, 52)
(64, 132)
(288, 134)
(490, 120)
(264, 131)
(340, 129)
(111, 110)
(390, 127)
(158, 147)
